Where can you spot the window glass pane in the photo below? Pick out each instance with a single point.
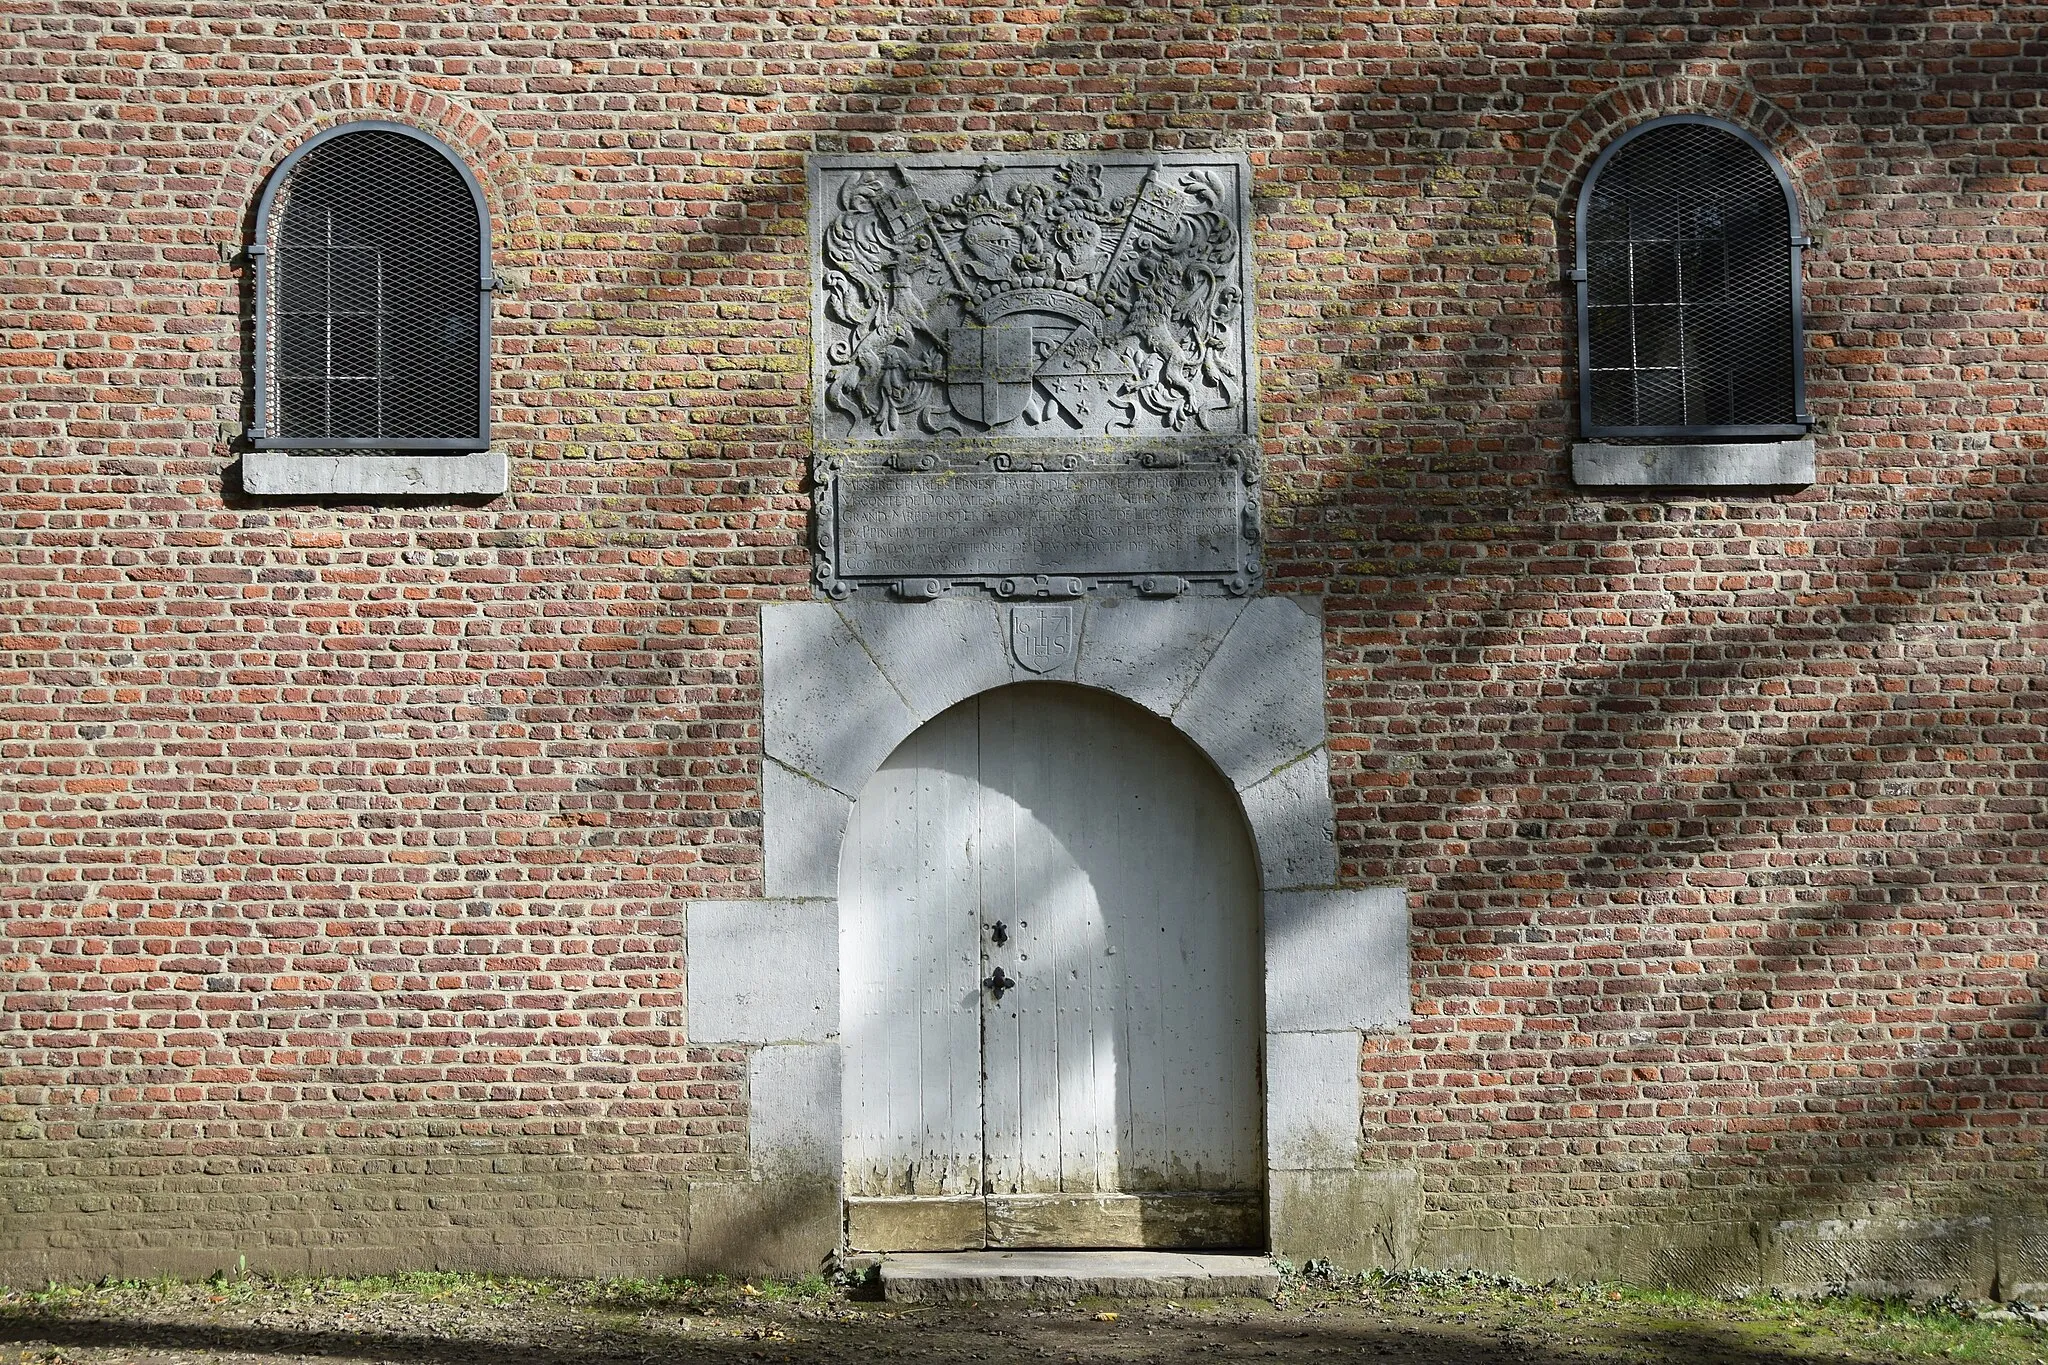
(1610, 337)
(302, 407)
(1709, 396)
(1759, 390)
(1614, 394)
(1704, 215)
(1660, 398)
(355, 408)
(1607, 274)
(354, 276)
(301, 281)
(1607, 216)
(355, 352)
(1703, 271)
(1655, 217)
(1715, 334)
(301, 342)
(1656, 272)
(1657, 338)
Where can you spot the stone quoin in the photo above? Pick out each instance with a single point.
(709, 638)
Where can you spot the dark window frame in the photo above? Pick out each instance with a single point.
(1795, 246)
(260, 251)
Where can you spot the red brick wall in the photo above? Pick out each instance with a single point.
(347, 846)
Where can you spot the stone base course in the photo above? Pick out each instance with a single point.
(445, 1205)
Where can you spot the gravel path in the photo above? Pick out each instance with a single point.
(462, 1320)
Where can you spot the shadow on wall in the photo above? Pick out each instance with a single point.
(1757, 784)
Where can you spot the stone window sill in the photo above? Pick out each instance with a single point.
(292, 474)
(1748, 464)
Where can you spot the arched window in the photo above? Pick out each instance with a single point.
(373, 306)
(1688, 284)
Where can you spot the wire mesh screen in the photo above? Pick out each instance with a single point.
(375, 323)
(1691, 313)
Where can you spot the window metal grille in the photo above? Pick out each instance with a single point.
(1688, 285)
(373, 310)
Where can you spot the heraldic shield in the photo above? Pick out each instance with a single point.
(1042, 637)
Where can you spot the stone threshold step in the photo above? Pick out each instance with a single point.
(932, 1277)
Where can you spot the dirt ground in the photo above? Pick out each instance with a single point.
(443, 1319)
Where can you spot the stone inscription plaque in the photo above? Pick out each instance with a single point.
(1089, 523)
(1033, 366)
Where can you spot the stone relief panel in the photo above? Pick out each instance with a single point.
(1032, 297)
(1032, 375)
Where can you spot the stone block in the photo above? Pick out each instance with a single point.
(1294, 824)
(1182, 1221)
(1035, 445)
(1336, 959)
(1885, 1257)
(987, 1276)
(1724, 1258)
(763, 1227)
(1312, 1121)
(2022, 1239)
(763, 971)
(1014, 371)
(929, 1224)
(936, 653)
(293, 474)
(1258, 705)
(1043, 640)
(1152, 652)
(1360, 1220)
(802, 825)
(793, 1128)
(828, 711)
(1759, 464)
(962, 524)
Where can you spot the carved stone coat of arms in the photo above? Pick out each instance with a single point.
(1081, 297)
(1032, 375)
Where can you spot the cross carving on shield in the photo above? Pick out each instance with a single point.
(1042, 637)
(989, 372)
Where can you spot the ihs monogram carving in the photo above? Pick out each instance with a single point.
(1078, 298)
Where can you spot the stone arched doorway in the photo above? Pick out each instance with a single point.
(1051, 979)
(844, 684)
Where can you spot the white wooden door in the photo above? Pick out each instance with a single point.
(1110, 1097)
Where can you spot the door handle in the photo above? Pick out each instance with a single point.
(999, 983)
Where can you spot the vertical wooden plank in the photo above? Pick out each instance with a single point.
(1003, 1123)
(1096, 775)
(911, 1029)
(1020, 1050)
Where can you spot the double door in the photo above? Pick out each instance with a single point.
(1050, 1002)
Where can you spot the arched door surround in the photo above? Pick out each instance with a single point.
(845, 683)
